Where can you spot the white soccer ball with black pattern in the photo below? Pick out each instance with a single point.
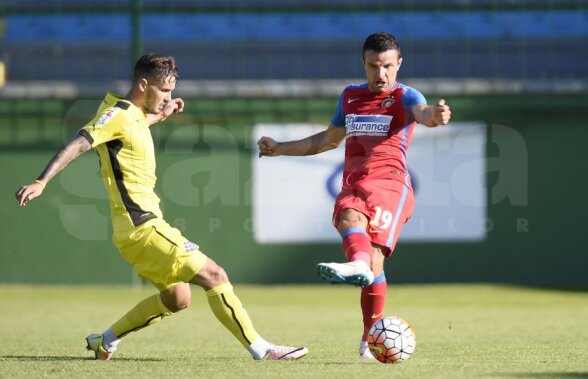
(391, 340)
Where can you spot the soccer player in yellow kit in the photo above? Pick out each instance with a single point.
(120, 134)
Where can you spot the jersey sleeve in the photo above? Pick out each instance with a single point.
(410, 98)
(108, 125)
(338, 119)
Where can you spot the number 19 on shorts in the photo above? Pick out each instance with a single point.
(382, 219)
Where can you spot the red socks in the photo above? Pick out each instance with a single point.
(373, 299)
(357, 245)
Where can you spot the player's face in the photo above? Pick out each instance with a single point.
(381, 69)
(158, 94)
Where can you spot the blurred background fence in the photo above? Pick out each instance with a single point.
(504, 63)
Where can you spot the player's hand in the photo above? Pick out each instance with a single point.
(179, 105)
(441, 113)
(28, 192)
(268, 147)
(173, 106)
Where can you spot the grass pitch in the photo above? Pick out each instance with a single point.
(463, 331)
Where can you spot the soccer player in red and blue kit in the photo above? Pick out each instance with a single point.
(378, 119)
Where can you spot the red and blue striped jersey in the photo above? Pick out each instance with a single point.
(379, 129)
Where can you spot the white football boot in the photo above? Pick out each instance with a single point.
(356, 273)
(95, 343)
(364, 352)
(285, 353)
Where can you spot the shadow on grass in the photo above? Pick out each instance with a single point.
(47, 358)
(557, 288)
(550, 375)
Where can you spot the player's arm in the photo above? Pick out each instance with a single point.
(317, 143)
(71, 151)
(174, 106)
(432, 115)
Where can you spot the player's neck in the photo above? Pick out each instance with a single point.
(136, 99)
(375, 91)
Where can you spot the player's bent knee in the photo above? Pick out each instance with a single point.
(175, 307)
(177, 298)
(350, 218)
(211, 275)
(218, 277)
(181, 303)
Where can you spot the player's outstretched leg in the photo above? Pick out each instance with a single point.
(229, 310)
(356, 273)
(146, 313)
(358, 251)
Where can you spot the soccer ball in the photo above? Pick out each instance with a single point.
(391, 340)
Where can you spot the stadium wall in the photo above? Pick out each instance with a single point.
(534, 233)
(259, 44)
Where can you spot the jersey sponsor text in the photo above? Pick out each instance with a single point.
(367, 125)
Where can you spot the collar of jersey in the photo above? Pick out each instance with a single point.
(113, 98)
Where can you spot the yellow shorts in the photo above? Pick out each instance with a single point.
(162, 255)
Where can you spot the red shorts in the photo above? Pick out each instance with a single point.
(387, 203)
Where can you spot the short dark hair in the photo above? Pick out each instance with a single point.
(380, 42)
(156, 66)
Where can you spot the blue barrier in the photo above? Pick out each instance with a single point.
(105, 28)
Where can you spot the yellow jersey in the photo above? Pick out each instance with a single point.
(120, 134)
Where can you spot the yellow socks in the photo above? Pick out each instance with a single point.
(225, 305)
(228, 309)
(148, 312)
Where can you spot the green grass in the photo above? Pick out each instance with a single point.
(463, 331)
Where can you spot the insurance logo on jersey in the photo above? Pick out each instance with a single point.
(106, 116)
(367, 125)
